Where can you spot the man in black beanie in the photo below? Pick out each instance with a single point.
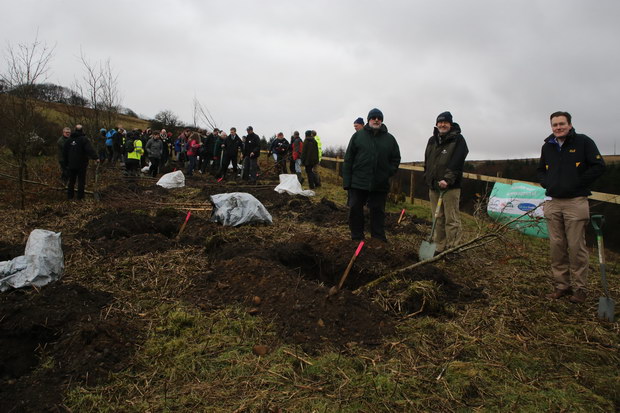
(443, 169)
(372, 157)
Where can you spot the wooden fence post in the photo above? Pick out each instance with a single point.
(338, 168)
(411, 186)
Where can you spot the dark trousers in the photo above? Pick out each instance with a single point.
(312, 180)
(154, 167)
(225, 162)
(192, 164)
(250, 167)
(376, 204)
(110, 151)
(132, 167)
(64, 174)
(80, 176)
(281, 164)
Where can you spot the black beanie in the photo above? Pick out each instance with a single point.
(359, 121)
(444, 117)
(308, 133)
(375, 112)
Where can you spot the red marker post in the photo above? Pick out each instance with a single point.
(337, 288)
(189, 214)
(402, 214)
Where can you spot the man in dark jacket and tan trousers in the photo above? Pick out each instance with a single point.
(372, 157)
(569, 163)
(443, 170)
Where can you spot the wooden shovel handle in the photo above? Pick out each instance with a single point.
(346, 272)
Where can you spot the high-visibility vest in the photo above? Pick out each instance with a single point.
(137, 150)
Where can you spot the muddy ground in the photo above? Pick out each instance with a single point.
(64, 333)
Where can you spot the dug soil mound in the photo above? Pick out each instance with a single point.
(61, 322)
(301, 310)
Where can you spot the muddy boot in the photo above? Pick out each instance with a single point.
(300, 178)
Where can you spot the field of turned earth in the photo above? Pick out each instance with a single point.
(241, 319)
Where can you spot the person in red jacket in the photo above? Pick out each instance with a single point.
(192, 151)
(297, 146)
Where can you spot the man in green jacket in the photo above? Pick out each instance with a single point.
(372, 157)
(443, 169)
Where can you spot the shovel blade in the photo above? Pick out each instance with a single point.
(427, 250)
(606, 308)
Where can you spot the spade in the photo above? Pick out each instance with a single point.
(605, 304)
(427, 248)
(334, 290)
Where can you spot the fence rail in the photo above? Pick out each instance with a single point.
(597, 196)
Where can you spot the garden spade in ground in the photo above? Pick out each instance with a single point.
(334, 290)
(427, 248)
(606, 305)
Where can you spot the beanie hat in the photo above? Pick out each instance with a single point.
(375, 112)
(308, 133)
(102, 130)
(359, 121)
(444, 117)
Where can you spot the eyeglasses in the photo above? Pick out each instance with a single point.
(376, 118)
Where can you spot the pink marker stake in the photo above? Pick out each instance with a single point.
(189, 214)
(402, 214)
(220, 180)
(359, 248)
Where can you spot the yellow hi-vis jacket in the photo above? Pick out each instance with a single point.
(137, 150)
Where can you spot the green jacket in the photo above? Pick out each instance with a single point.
(60, 145)
(372, 157)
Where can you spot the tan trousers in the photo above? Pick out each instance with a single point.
(448, 226)
(567, 220)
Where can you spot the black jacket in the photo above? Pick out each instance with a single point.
(444, 158)
(567, 171)
(232, 145)
(252, 144)
(310, 152)
(77, 150)
(279, 146)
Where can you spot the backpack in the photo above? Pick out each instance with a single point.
(129, 146)
(109, 141)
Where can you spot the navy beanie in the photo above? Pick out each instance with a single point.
(359, 121)
(444, 117)
(375, 112)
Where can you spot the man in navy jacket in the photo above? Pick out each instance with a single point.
(569, 164)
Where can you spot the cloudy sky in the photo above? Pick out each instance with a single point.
(500, 67)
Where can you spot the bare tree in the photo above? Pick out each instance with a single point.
(20, 119)
(99, 87)
(202, 114)
(110, 95)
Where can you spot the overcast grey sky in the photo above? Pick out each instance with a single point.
(500, 66)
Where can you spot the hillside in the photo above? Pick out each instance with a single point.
(240, 319)
(65, 115)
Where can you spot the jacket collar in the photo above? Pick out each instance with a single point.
(551, 138)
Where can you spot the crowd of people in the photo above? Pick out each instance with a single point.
(569, 164)
(215, 152)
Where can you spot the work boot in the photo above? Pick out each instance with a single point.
(557, 293)
(579, 297)
(300, 178)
